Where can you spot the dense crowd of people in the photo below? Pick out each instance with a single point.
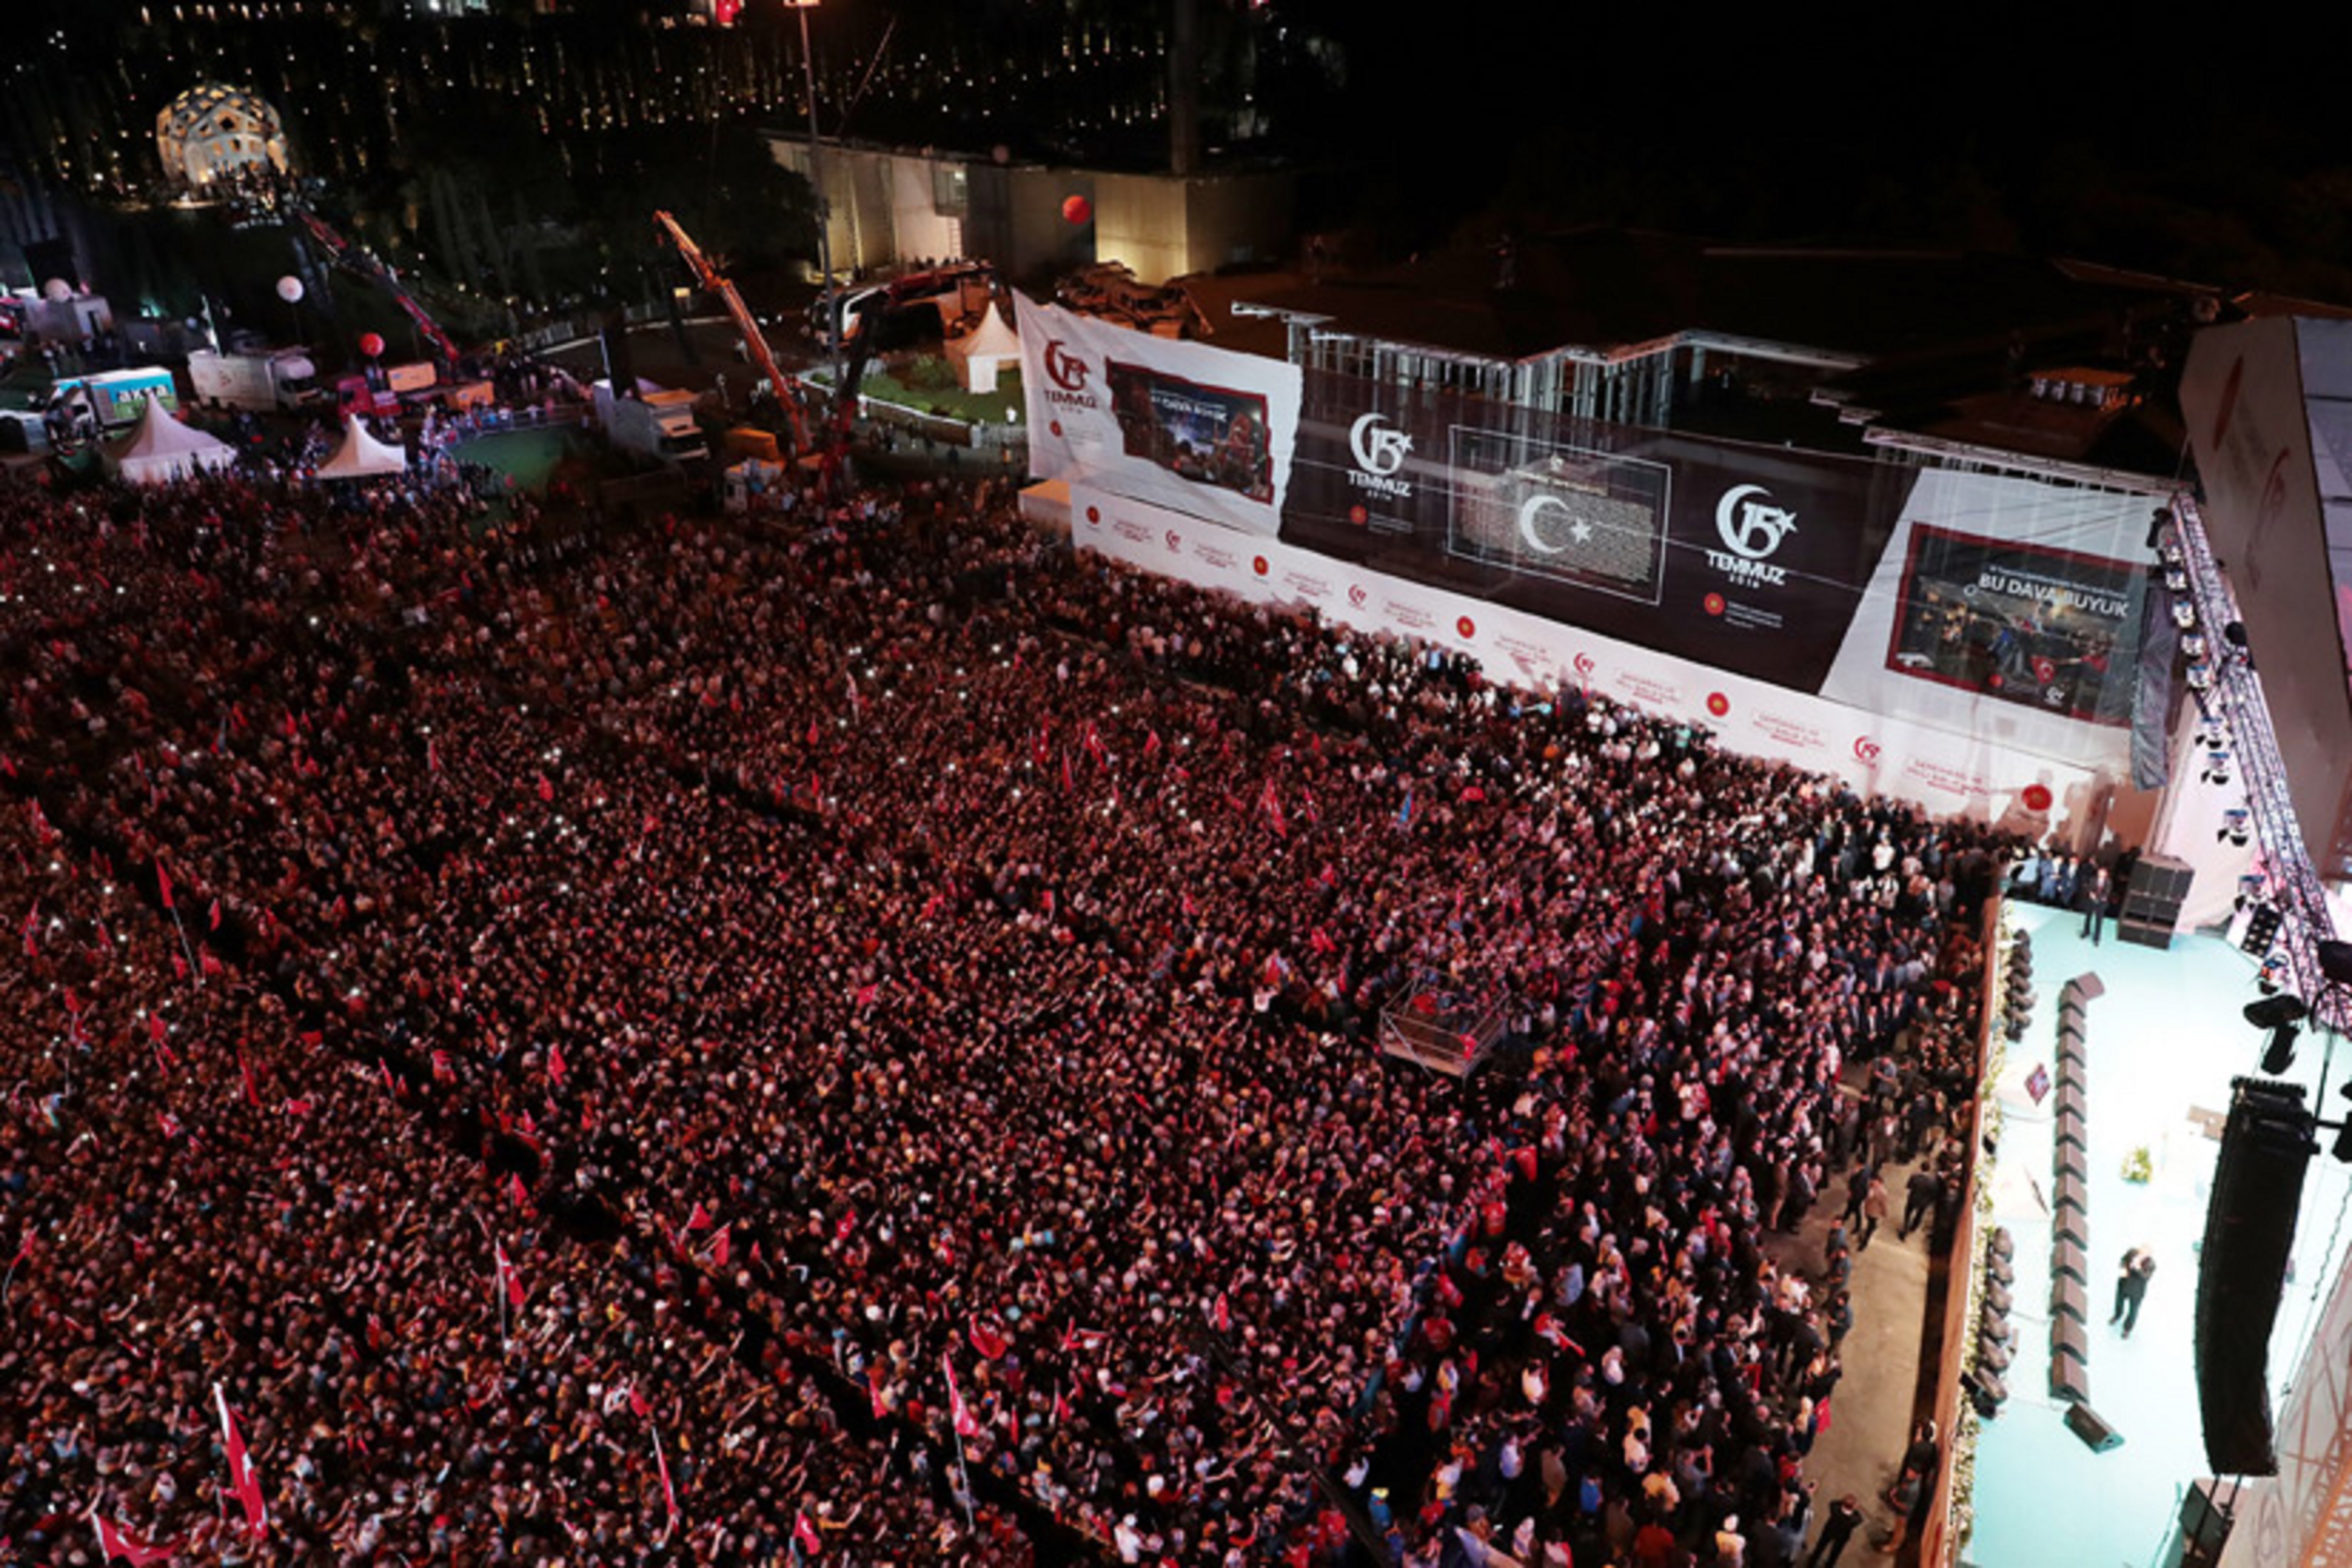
(855, 1039)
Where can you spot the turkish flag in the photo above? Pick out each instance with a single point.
(113, 1542)
(507, 1279)
(246, 1485)
(965, 1426)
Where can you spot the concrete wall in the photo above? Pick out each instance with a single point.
(1144, 220)
(884, 210)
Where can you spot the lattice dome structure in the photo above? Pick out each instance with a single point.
(212, 132)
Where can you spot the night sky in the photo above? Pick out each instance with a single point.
(2213, 157)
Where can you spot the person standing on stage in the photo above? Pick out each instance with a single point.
(2097, 887)
(1845, 1519)
(2131, 1288)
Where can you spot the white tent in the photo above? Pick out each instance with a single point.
(978, 354)
(163, 449)
(362, 456)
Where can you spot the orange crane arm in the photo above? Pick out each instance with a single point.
(343, 253)
(754, 344)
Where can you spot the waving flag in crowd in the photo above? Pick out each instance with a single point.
(241, 1479)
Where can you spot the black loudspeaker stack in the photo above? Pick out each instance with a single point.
(2152, 901)
(2266, 1149)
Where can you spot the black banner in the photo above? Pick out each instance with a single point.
(1749, 559)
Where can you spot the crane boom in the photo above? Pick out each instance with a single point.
(754, 344)
(353, 259)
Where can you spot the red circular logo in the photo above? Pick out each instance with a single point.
(1093, 515)
(1717, 703)
(1865, 749)
(1467, 626)
(1054, 426)
(1714, 603)
(1258, 565)
(1359, 516)
(2036, 797)
(1175, 540)
(1356, 594)
(1584, 665)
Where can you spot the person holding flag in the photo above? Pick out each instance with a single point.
(242, 1479)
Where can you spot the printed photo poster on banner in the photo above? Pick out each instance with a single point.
(1198, 429)
(2021, 623)
(2008, 609)
(1209, 435)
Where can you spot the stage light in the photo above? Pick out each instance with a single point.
(2279, 1055)
(2275, 1010)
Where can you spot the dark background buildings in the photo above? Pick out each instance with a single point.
(514, 146)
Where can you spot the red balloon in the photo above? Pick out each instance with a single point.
(1077, 209)
(371, 344)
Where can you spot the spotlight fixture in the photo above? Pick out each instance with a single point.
(2273, 1011)
(2271, 975)
(2279, 1055)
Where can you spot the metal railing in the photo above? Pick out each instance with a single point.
(2234, 694)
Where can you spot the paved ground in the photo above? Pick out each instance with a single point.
(1870, 1413)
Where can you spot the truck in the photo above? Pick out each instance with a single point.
(113, 400)
(281, 379)
(657, 422)
(382, 390)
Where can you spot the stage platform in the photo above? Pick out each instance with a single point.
(2163, 1043)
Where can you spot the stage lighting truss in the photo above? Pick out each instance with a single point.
(2229, 693)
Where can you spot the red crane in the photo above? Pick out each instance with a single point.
(352, 259)
(786, 388)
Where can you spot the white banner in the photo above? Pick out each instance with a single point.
(2005, 521)
(1203, 431)
(1957, 775)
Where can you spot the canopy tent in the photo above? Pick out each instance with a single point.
(362, 456)
(161, 449)
(978, 354)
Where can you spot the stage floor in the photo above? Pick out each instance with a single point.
(2163, 1042)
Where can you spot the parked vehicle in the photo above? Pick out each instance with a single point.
(659, 424)
(113, 400)
(280, 379)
